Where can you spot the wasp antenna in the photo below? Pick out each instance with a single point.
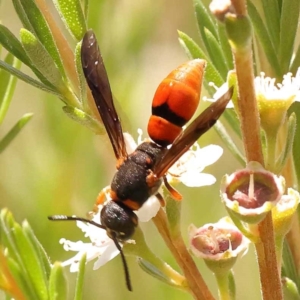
(126, 270)
(74, 218)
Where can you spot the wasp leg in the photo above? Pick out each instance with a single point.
(161, 199)
(175, 195)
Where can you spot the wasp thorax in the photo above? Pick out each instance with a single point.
(119, 220)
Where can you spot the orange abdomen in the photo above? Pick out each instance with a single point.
(175, 101)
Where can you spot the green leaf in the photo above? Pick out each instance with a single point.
(13, 45)
(288, 268)
(57, 283)
(204, 19)
(13, 256)
(84, 119)
(41, 59)
(14, 132)
(216, 54)
(296, 62)
(80, 279)
(22, 14)
(31, 262)
(43, 257)
(42, 31)
(226, 49)
(29, 80)
(73, 17)
(272, 15)
(194, 51)
(288, 26)
(7, 85)
(153, 265)
(289, 140)
(234, 150)
(156, 273)
(81, 77)
(20, 279)
(85, 5)
(262, 34)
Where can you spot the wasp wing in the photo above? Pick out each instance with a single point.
(97, 80)
(189, 136)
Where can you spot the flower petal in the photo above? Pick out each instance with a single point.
(148, 210)
(196, 179)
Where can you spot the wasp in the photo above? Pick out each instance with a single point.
(140, 174)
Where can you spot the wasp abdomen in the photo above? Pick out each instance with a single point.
(175, 101)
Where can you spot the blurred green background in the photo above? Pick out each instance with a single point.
(56, 166)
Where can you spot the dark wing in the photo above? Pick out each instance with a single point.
(189, 136)
(96, 77)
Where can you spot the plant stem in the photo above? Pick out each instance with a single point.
(223, 285)
(177, 247)
(250, 124)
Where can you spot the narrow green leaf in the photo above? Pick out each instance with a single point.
(288, 268)
(296, 146)
(6, 223)
(13, 45)
(31, 262)
(204, 19)
(84, 119)
(43, 257)
(272, 16)
(81, 77)
(73, 16)
(7, 85)
(57, 283)
(156, 273)
(21, 279)
(43, 32)
(22, 14)
(234, 150)
(289, 140)
(41, 59)
(80, 279)
(28, 79)
(296, 62)
(226, 49)
(14, 132)
(263, 36)
(216, 54)
(194, 51)
(85, 5)
(288, 26)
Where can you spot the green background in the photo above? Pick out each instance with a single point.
(56, 166)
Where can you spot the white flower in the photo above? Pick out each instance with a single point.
(188, 169)
(101, 246)
(289, 89)
(265, 87)
(219, 92)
